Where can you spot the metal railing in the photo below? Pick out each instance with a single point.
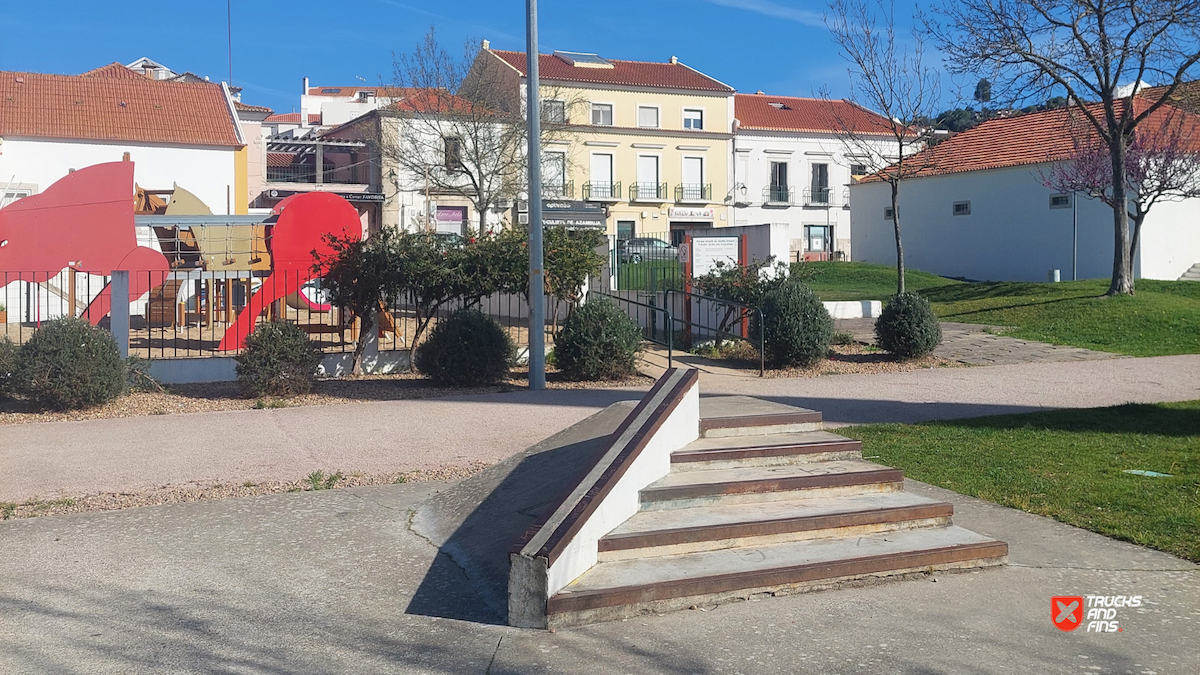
(564, 190)
(647, 316)
(778, 195)
(648, 192)
(818, 197)
(693, 192)
(705, 316)
(306, 173)
(594, 190)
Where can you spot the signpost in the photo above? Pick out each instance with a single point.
(706, 251)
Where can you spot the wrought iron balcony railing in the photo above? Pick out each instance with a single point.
(648, 192)
(601, 191)
(818, 196)
(778, 195)
(693, 192)
(564, 190)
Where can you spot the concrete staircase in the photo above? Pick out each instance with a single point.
(765, 502)
(1193, 273)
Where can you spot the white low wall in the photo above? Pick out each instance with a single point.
(857, 309)
(224, 368)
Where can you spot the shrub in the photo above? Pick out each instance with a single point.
(69, 364)
(466, 348)
(8, 364)
(908, 327)
(279, 360)
(598, 341)
(796, 327)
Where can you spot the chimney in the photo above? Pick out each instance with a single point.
(486, 45)
(305, 89)
(674, 60)
(304, 106)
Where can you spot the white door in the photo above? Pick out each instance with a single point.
(647, 176)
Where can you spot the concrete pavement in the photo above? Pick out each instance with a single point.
(139, 453)
(335, 582)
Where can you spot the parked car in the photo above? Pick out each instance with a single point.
(645, 248)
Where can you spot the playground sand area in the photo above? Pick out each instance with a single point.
(195, 492)
(221, 396)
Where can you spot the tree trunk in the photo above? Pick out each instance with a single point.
(1122, 274)
(482, 220)
(1138, 219)
(899, 245)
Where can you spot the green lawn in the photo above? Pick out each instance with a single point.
(1066, 464)
(1162, 318)
(657, 274)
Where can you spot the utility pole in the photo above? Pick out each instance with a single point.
(537, 296)
(1074, 238)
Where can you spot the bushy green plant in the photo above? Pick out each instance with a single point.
(278, 360)
(598, 341)
(8, 364)
(908, 327)
(466, 348)
(69, 364)
(796, 327)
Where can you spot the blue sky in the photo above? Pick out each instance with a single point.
(779, 46)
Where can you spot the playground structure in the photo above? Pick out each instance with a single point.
(191, 273)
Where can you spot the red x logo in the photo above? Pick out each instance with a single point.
(1066, 611)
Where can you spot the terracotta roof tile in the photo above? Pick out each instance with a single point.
(629, 73)
(788, 113)
(238, 105)
(293, 118)
(114, 108)
(1032, 138)
(353, 91)
(115, 70)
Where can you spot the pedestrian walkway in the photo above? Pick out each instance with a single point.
(980, 345)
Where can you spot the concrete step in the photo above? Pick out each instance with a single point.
(686, 489)
(723, 416)
(1193, 273)
(624, 588)
(708, 528)
(765, 450)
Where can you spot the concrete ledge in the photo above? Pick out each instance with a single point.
(224, 368)
(855, 309)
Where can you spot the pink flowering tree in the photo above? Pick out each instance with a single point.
(1162, 164)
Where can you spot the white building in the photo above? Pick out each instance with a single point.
(791, 167)
(323, 108)
(174, 132)
(981, 211)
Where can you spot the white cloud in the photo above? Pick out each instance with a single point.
(768, 8)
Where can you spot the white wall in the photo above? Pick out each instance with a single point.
(756, 150)
(1012, 234)
(206, 172)
(1170, 241)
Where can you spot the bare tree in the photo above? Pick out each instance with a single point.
(889, 76)
(460, 127)
(1087, 48)
(1162, 164)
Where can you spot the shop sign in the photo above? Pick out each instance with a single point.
(572, 213)
(691, 213)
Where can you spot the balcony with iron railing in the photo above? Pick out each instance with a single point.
(648, 192)
(778, 195)
(563, 190)
(602, 191)
(819, 197)
(307, 173)
(693, 192)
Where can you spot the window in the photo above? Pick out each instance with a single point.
(820, 183)
(625, 229)
(554, 112)
(602, 114)
(554, 173)
(962, 208)
(647, 117)
(858, 169)
(779, 182)
(1062, 201)
(600, 179)
(888, 214)
(647, 176)
(11, 196)
(692, 188)
(693, 119)
(364, 96)
(453, 158)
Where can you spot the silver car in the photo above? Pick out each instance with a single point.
(645, 248)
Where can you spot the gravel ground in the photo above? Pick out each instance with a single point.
(195, 492)
(216, 396)
(856, 358)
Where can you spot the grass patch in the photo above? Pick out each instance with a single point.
(1068, 465)
(1163, 318)
(317, 480)
(659, 274)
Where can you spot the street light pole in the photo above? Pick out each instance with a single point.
(537, 296)
(1074, 238)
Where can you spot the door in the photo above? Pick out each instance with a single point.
(648, 177)
(602, 177)
(693, 178)
(818, 244)
(779, 182)
(820, 183)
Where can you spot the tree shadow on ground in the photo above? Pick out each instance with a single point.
(1130, 418)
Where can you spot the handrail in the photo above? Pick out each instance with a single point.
(670, 343)
(745, 310)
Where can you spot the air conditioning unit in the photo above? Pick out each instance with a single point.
(522, 206)
(502, 204)
(522, 218)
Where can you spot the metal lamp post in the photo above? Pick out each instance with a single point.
(537, 297)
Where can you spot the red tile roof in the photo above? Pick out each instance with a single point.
(114, 108)
(353, 91)
(1032, 138)
(788, 113)
(629, 73)
(294, 118)
(238, 105)
(116, 70)
(280, 158)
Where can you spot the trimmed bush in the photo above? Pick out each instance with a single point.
(466, 348)
(69, 364)
(598, 341)
(908, 327)
(278, 360)
(8, 364)
(796, 327)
